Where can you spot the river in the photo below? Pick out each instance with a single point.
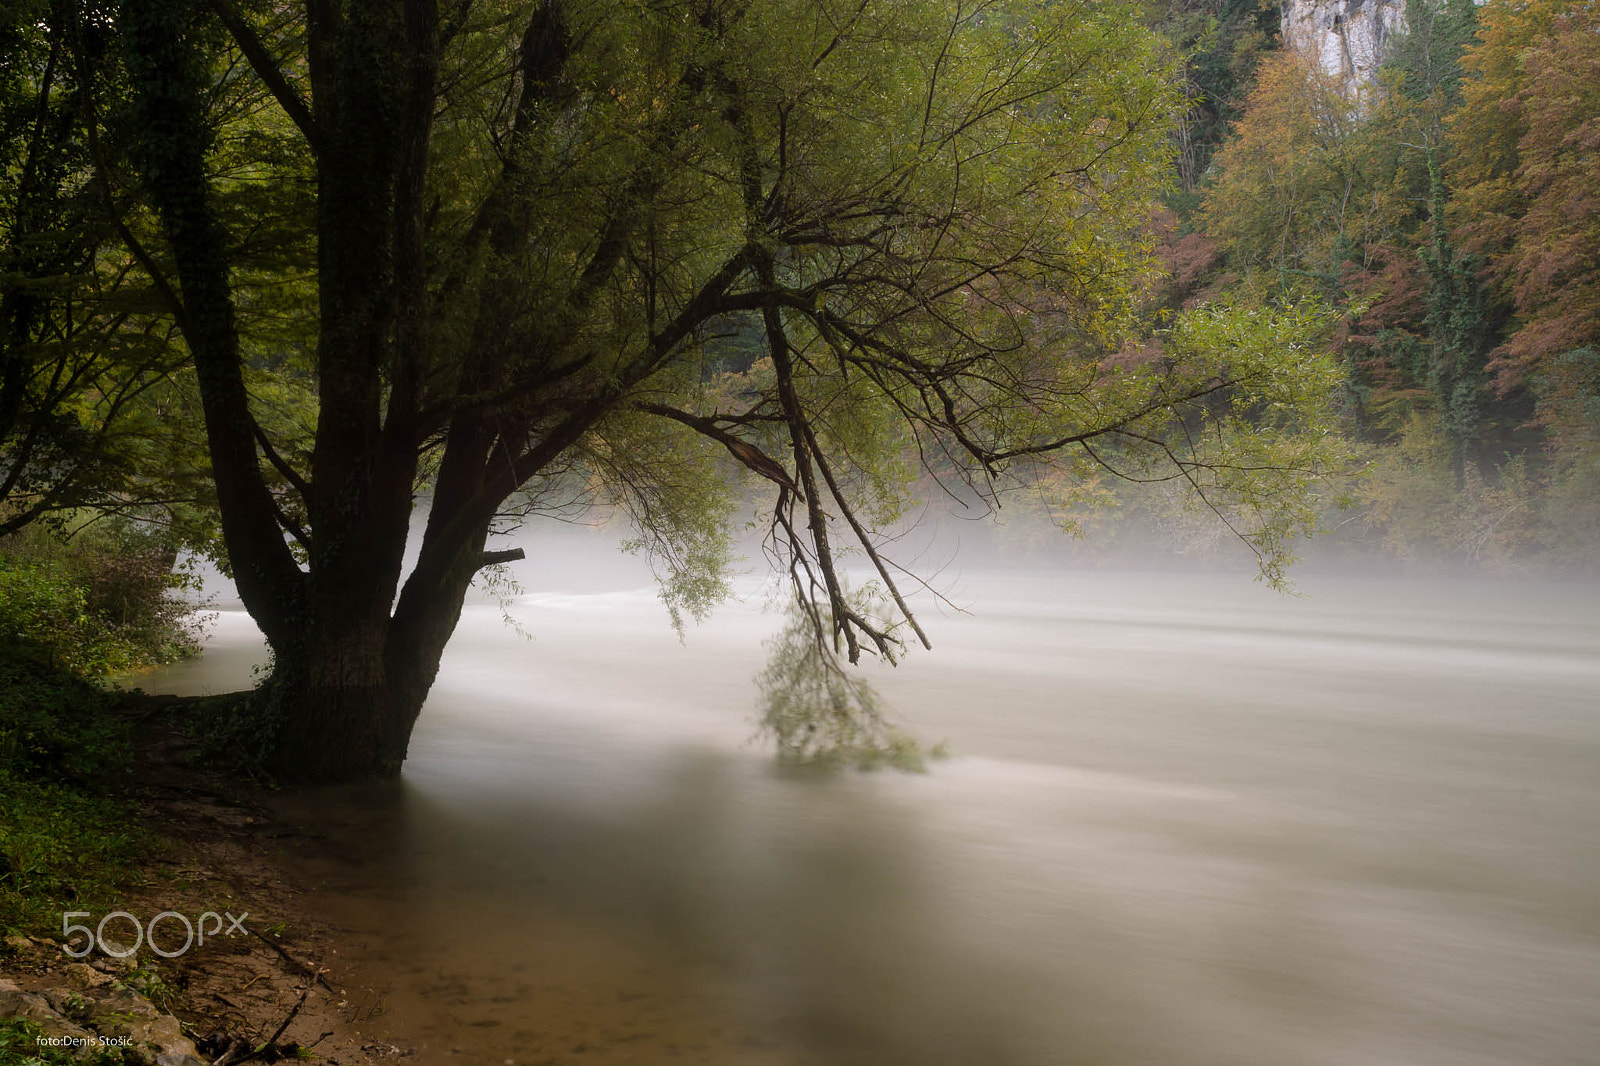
(1186, 821)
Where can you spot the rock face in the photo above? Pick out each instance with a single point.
(1348, 38)
(94, 1017)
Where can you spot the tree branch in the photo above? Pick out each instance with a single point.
(269, 72)
(290, 475)
(293, 528)
(169, 76)
(747, 453)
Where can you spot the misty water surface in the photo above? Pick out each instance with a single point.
(1188, 821)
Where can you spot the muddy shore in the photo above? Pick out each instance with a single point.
(324, 964)
(268, 980)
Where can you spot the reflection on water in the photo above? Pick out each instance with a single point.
(1190, 822)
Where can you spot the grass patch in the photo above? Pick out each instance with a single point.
(63, 850)
(68, 839)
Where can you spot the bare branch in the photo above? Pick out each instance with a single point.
(507, 555)
(301, 485)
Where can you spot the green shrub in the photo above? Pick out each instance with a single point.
(57, 727)
(44, 609)
(102, 602)
(66, 840)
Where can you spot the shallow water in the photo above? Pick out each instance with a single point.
(1188, 821)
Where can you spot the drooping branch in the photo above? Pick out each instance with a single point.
(862, 536)
(845, 620)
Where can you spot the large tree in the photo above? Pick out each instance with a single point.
(537, 224)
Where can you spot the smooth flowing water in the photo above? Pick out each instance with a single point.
(1187, 821)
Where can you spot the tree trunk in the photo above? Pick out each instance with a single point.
(349, 678)
(347, 690)
(338, 716)
(346, 707)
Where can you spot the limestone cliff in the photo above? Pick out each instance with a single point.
(1347, 37)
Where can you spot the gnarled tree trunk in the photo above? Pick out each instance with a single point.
(349, 678)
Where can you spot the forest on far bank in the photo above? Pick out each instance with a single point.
(1448, 214)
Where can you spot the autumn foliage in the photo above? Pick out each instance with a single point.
(1451, 211)
(1532, 204)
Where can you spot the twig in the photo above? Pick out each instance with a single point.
(308, 971)
(376, 1008)
(273, 1039)
(235, 1054)
(232, 1057)
(215, 1017)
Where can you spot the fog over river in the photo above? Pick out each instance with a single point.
(1186, 821)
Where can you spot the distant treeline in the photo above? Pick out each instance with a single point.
(1449, 215)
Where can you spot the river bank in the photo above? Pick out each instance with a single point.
(310, 953)
(239, 968)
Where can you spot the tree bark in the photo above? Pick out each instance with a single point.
(347, 683)
(169, 82)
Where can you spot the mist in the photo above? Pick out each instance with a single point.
(1186, 819)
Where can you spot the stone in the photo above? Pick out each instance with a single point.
(114, 965)
(19, 943)
(65, 1002)
(156, 1037)
(119, 955)
(119, 1019)
(168, 1046)
(81, 975)
(1348, 38)
(32, 1007)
